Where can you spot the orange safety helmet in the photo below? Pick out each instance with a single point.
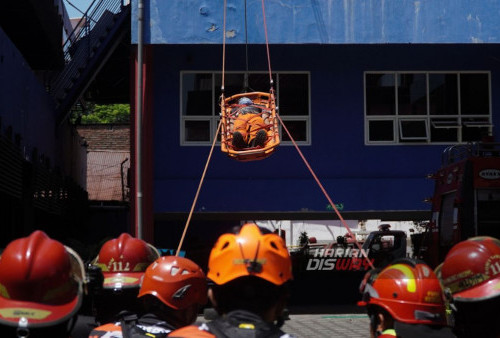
(40, 282)
(123, 261)
(250, 253)
(408, 290)
(177, 281)
(471, 269)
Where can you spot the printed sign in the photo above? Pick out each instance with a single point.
(338, 259)
(490, 174)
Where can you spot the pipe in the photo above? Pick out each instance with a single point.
(138, 121)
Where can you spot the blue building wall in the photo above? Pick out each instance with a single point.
(362, 178)
(321, 21)
(25, 105)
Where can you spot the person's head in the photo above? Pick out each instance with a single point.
(123, 261)
(406, 296)
(470, 275)
(250, 270)
(174, 288)
(41, 287)
(245, 101)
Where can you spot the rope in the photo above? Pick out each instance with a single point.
(325, 193)
(223, 47)
(198, 191)
(267, 45)
(245, 80)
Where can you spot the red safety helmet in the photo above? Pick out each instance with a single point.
(123, 261)
(250, 253)
(471, 269)
(40, 282)
(408, 290)
(177, 281)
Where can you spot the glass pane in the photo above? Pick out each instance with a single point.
(413, 129)
(447, 219)
(196, 131)
(444, 134)
(260, 82)
(412, 97)
(381, 130)
(488, 212)
(380, 94)
(474, 134)
(443, 94)
(474, 94)
(233, 84)
(293, 94)
(298, 130)
(196, 94)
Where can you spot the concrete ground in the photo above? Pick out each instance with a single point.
(327, 321)
(348, 321)
(327, 325)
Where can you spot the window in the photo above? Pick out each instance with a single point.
(200, 93)
(426, 107)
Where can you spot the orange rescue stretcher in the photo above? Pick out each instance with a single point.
(229, 113)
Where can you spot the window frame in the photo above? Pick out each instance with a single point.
(431, 121)
(215, 116)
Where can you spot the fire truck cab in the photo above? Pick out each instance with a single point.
(466, 200)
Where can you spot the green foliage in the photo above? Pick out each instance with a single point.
(103, 114)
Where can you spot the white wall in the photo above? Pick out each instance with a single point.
(327, 231)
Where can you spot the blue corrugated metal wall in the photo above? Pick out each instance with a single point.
(322, 21)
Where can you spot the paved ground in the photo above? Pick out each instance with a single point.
(327, 321)
(348, 321)
(327, 325)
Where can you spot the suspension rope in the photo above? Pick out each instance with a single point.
(245, 79)
(325, 193)
(198, 191)
(267, 45)
(223, 47)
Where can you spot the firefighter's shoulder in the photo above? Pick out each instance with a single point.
(201, 331)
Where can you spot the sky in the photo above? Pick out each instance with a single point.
(82, 5)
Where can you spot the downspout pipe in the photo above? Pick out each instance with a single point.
(138, 121)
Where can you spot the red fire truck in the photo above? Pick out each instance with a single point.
(466, 200)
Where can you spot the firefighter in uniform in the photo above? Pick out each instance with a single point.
(122, 262)
(41, 287)
(249, 274)
(249, 127)
(470, 275)
(404, 299)
(172, 292)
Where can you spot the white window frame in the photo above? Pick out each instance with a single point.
(215, 116)
(409, 138)
(435, 121)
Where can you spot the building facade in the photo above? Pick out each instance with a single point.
(372, 93)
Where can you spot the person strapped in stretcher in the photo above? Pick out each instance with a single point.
(249, 126)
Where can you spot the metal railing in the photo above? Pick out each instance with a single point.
(459, 152)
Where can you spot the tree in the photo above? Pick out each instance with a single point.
(105, 114)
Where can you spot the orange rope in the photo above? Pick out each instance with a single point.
(198, 191)
(267, 44)
(325, 193)
(223, 46)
